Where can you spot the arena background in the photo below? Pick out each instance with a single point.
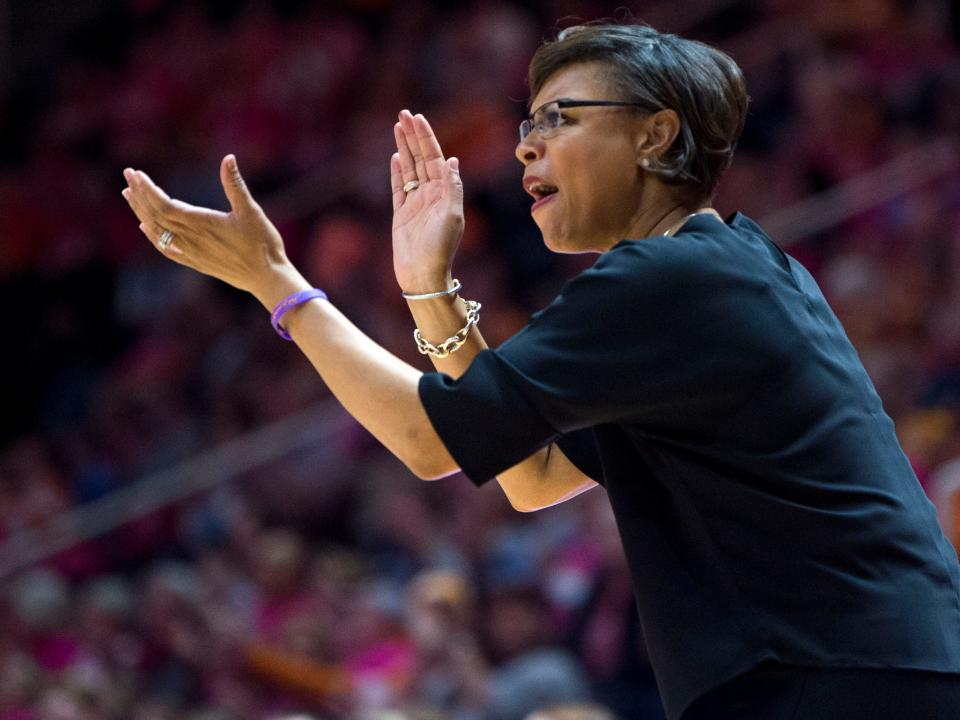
(191, 528)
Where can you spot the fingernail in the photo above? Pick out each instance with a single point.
(455, 163)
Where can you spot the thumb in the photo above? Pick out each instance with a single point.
(233, 185)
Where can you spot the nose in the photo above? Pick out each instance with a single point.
(529, 149)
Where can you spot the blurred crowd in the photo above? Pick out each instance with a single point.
(445, 607)
(333, 584)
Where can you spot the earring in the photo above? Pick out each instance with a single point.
(645, 162)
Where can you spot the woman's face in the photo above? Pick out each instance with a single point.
(591, 159)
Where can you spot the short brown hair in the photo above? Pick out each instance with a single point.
(703, 85)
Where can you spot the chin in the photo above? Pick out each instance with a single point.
(565, 245)
(551, 244)
(553, 240)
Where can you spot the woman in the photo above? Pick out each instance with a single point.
(785, 561)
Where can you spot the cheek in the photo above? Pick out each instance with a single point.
(604, 196)
(605, 177)
(598, 195)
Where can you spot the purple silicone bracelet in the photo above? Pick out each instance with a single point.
(290, 302)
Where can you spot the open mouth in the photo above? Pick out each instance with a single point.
(542, 201)
(540, 191)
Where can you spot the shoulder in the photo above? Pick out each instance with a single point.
(709, 266)
(655, 265)
(660, 253)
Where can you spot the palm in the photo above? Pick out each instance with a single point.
(427, 221)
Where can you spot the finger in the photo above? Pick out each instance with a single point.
(396, 181)
(132, 176)
(154, 232)
(134, 199)
(158, 206)
(455, 184)
(146, 216)
(429, 147)
(238, 194)
(408, 166)
(410, 130)
(167, 209)
(136, 205)
(148, 222)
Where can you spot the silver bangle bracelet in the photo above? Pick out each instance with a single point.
(426, 296)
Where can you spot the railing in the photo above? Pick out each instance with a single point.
(874, 187)
(312, 428)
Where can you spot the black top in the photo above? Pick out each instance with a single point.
(765, 506)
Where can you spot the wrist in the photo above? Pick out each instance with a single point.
(429, 283)
(282, 281)
(449, 293)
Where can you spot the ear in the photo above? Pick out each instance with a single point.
(657, 135)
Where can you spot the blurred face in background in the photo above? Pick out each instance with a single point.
(515, 624)
(438, 610)
(278, 560)
(589, 163)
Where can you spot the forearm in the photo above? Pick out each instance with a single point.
(378, 389)
(545, 478)
(243, 248)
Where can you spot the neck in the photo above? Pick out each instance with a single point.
(675, 228)
(665, 216)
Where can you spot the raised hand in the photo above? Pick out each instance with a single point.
(428, 220)
(241, 247)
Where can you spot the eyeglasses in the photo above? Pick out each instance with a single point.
(547, 118)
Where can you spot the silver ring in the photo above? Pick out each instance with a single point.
(411, 185)
(166, 237)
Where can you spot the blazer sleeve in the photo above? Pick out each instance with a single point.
(624, 342)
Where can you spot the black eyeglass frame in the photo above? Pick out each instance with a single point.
(527, 123)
